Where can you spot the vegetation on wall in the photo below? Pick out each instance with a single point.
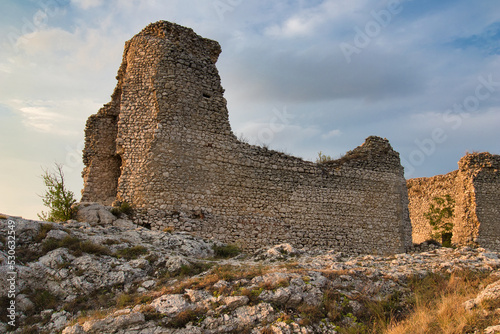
(440, 217)
(323, 158)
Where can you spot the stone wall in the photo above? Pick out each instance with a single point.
(475, 187)
(180, 164)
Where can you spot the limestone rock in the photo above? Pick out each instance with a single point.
(492, 330)
(94, 214)
(56, 234)
(171, 305)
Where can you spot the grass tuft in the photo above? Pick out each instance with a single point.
(131, 252)
(76, 246)
(226, 251)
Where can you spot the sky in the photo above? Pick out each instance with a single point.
(301, 76)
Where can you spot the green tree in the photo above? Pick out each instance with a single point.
(440, 216)
(57, 197)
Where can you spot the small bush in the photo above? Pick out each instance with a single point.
(44, 300)
(322, 158)
(309, 314)
(123, 300)
(25, 255)
(75, 246)
(131, 252)
(184, 317)
(124, 208)
(42, 234)
(226, 251)
(100, 299)
(51, 244)
(57, 197)
(110, 242)
(92, 248)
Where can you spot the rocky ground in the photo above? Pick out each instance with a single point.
(107, 275)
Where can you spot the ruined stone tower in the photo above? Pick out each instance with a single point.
(475, 188)
(164, 145)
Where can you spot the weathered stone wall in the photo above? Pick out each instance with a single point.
(475, 187)
(182, 166)
(421, 193)
(484, 170)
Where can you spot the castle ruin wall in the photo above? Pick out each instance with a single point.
(475, 187)
(181, 166)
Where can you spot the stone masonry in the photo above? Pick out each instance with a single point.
(165, 146)
(475, 187)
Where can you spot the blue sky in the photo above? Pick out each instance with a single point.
(300, 76)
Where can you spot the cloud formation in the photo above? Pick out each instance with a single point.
(413, 72)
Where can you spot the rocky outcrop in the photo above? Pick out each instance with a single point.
(78, 278)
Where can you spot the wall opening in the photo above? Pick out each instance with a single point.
(446, 239)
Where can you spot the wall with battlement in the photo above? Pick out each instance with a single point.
(167, 148)
(475, 187)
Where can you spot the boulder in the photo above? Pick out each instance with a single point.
(94, 214)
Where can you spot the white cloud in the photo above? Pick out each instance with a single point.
(40, 118)
(308, 21)
(331, 134)
(5, 68)
(88, 4)
(48, 41)
(61, 117)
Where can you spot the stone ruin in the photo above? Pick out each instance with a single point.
(164, 145)
(475, 187)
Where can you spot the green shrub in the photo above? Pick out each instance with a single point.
(92, 248)
(42, 234)
(184, 317)
(57, 197)
(226, 251)
(131, 252)
(116, 212)
(75, 246)
(44, 300)
(25, 254)
(124, 208)
(440, 217)
(124, 300)
(101, 299)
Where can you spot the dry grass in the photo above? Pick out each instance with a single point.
(169, 229)
(225, 272)
(439, 306)
(93, 316)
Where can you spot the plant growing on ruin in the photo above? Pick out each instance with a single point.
(323, 158)
(57, 197)
(440, 216)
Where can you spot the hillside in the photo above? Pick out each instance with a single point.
(107, 275)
